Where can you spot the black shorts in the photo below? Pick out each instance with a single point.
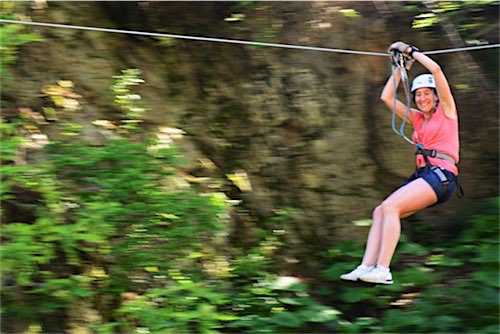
(442, 181)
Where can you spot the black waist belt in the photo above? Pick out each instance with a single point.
(435, 154)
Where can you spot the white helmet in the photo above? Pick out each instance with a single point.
(423, 80)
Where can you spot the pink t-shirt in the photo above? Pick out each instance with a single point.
(440, 134)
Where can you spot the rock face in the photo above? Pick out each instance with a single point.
(307, 127)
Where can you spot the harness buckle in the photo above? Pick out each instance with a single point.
(442, 177)
(432, 153)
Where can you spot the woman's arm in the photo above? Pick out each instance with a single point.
(443, 88)
(387, 96)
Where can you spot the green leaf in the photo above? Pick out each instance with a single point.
(487, 254)
(413, 249)
(319, 313)
(291, 301)
(425, 20)
(489, 278)
(363, 222)
(235, 17)
(287, 320)
(357, 295)
(349, 12)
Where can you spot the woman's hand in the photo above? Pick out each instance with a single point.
(401, 47)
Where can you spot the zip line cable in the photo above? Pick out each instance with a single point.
(235, 41)
(196, 38)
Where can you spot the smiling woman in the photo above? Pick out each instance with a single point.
(424, 85)
(435, 135)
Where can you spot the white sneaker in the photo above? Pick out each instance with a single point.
(377, 276)
(356, 273)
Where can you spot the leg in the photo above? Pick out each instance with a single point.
(374, 237)
(413, 197)
(372, 249)
(386, 229)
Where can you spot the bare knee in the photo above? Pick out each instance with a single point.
(387, 208)
(377, 214)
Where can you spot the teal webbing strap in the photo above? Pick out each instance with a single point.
(398, 63)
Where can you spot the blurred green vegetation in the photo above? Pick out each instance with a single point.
(11, 37)
(463, 13)
(113, 233)
(111, 229)
(436, 289)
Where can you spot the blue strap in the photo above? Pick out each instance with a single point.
(398, 62)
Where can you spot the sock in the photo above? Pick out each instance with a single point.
(383, 268)
(362, 266)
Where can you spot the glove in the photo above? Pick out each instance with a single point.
(399, 46)
(409, 62)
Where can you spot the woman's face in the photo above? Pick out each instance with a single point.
(425, 99)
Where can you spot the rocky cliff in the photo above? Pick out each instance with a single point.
(307, 128)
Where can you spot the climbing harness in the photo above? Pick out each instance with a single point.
(398, 62)
(442, 177)
(433, 154)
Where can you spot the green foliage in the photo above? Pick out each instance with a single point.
(122, 191)
(129, 102)
(464, 13)
(435, 290)
(349, 12)
(105, 219)
(112, 227)
(111, 220)
(280, 304)
(183, 306)
(10, 142)
(28, 250)
(11, 37)
(99, 202)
